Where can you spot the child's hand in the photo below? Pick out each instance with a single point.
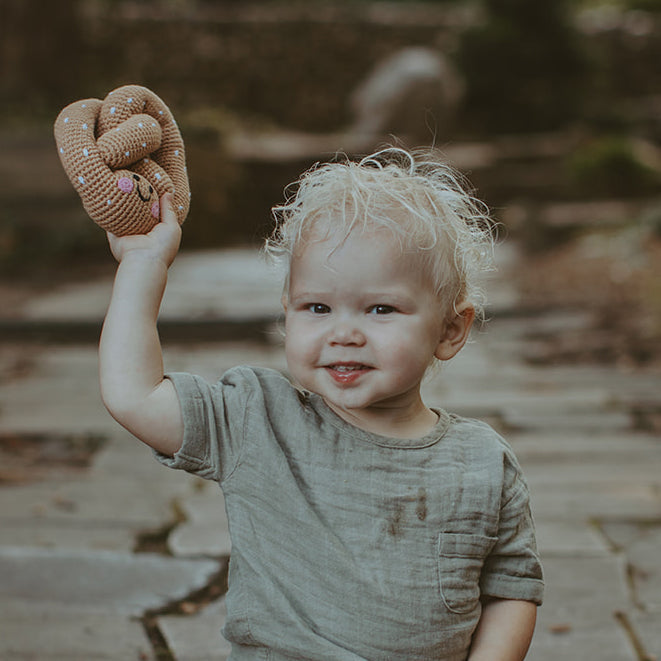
(162, 243)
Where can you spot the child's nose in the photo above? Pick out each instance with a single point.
(346, 333)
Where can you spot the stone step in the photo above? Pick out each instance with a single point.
(101, 581)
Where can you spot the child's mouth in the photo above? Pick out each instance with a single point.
(347, 372)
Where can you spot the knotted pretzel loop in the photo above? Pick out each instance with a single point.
(121, 155)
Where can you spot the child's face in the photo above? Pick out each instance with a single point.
(362, 325)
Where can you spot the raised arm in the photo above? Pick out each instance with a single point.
(133, 387)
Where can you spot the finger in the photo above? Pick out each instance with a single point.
(168, 214)
(113, 242)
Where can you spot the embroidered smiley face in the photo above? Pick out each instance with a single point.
(128, 185)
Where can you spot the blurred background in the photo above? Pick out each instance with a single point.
(552, 109)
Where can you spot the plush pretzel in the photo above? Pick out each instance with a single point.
(121, 155)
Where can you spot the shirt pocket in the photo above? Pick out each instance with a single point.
(460, 560)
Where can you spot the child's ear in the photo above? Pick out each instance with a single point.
(456, 332)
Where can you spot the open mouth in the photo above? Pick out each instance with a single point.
(347, 372)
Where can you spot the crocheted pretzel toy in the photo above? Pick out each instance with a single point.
(121, 155)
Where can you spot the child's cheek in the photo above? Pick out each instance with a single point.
(296, 337)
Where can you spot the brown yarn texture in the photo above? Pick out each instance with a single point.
(121, 155)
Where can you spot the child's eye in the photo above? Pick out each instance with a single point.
(381, 309)
(318, 308)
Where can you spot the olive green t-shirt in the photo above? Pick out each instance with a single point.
(347, 545)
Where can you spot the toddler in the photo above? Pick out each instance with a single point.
(364, 524)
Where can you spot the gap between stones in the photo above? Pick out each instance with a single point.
(621, 617)
(156, 541)
(624, 621)
(27, 457)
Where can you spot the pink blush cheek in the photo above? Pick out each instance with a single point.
(125, 185)
(156, 209)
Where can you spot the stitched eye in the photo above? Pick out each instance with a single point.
(135, 176)
(151, 190)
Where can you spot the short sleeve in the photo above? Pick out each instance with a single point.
(214, 421)
(513, 569)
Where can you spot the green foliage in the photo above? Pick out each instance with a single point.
(644, 5)
(610, 166)
(524, 67)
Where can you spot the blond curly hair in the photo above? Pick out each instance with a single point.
(422, 201)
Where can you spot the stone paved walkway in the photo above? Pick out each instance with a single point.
(122, 559)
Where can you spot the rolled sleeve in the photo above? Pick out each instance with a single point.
(213, 417)
(513, 569)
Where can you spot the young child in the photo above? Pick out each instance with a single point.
(364, 524)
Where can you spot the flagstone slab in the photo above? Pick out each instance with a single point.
(48, 533)
(197, 637)
(33, 632)
(578, 619)
(640, 541)
(99, 581)
(206, 529)
(573, 501)
(559, 536)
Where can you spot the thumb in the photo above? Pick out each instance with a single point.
(168, 214)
